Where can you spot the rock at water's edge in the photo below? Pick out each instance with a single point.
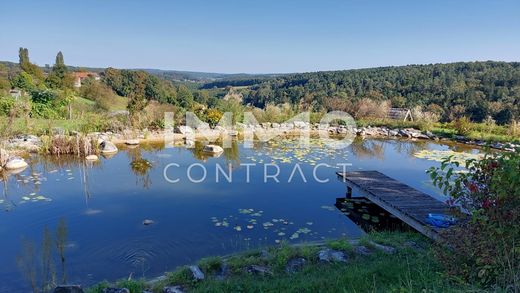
(197, 273)
(107, 147)
(330, 255)
(14, 163)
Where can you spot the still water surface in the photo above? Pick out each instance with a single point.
(104, 204)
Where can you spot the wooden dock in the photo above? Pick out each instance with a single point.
(404, 202)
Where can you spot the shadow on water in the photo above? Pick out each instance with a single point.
(369, 216)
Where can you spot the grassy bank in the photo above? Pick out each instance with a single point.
(474, 131)
(412, 268)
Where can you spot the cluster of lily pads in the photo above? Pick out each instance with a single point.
(251, 219)
(289, 151)
(440, 155)
(70, 175)
(33, 197)
(35, 178)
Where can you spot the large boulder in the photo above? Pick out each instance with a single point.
(107, 147)
(15, 163)
(30, 143)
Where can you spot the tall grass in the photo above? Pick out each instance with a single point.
(69, 145)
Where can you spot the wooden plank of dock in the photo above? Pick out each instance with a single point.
(406, 203)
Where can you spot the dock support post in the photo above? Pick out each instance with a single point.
(349, 192)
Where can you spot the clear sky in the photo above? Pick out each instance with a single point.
(263, 36)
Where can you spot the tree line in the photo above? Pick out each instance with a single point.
(476, 90)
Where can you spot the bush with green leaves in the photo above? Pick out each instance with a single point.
(6, 104)
(486, 248)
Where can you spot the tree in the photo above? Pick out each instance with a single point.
(59, 78)
(27, 66)
(23, 56)
(98, 92)
(137, 101)
(185, 97)
(504, 116)
(4, 78)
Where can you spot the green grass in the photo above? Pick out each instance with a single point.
(411, 269)
(340, 244)
(135, 286)
(118, 103)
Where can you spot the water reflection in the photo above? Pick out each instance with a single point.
(37, 263)
(140, 166)
(105, 213)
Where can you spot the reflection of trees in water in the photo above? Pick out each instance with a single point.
(140, 166)
(37, 264)
(368, 148)
(8, 205)
(375, 148)
(410, 147)
(50, 163)
(232, 154)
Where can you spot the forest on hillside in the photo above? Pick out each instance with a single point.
(476, 90)
(473, 89)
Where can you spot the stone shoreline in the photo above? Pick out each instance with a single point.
(32, 144)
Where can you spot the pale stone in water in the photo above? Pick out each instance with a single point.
(14, 163)
(108, 148)
(148, 222)
(91, 158)
(214, 149)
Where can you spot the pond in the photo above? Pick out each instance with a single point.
(106, 204)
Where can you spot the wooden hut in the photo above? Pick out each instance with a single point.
(400, 114)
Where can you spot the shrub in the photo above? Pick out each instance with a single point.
(6, 104)
(371, 108)
(486, 249)
(213, 116)
(462, 125)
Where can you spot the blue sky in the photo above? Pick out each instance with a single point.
(233, 36)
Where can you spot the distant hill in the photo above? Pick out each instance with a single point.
(474, 89)
(172, 75)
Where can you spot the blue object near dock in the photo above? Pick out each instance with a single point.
(440, 220)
